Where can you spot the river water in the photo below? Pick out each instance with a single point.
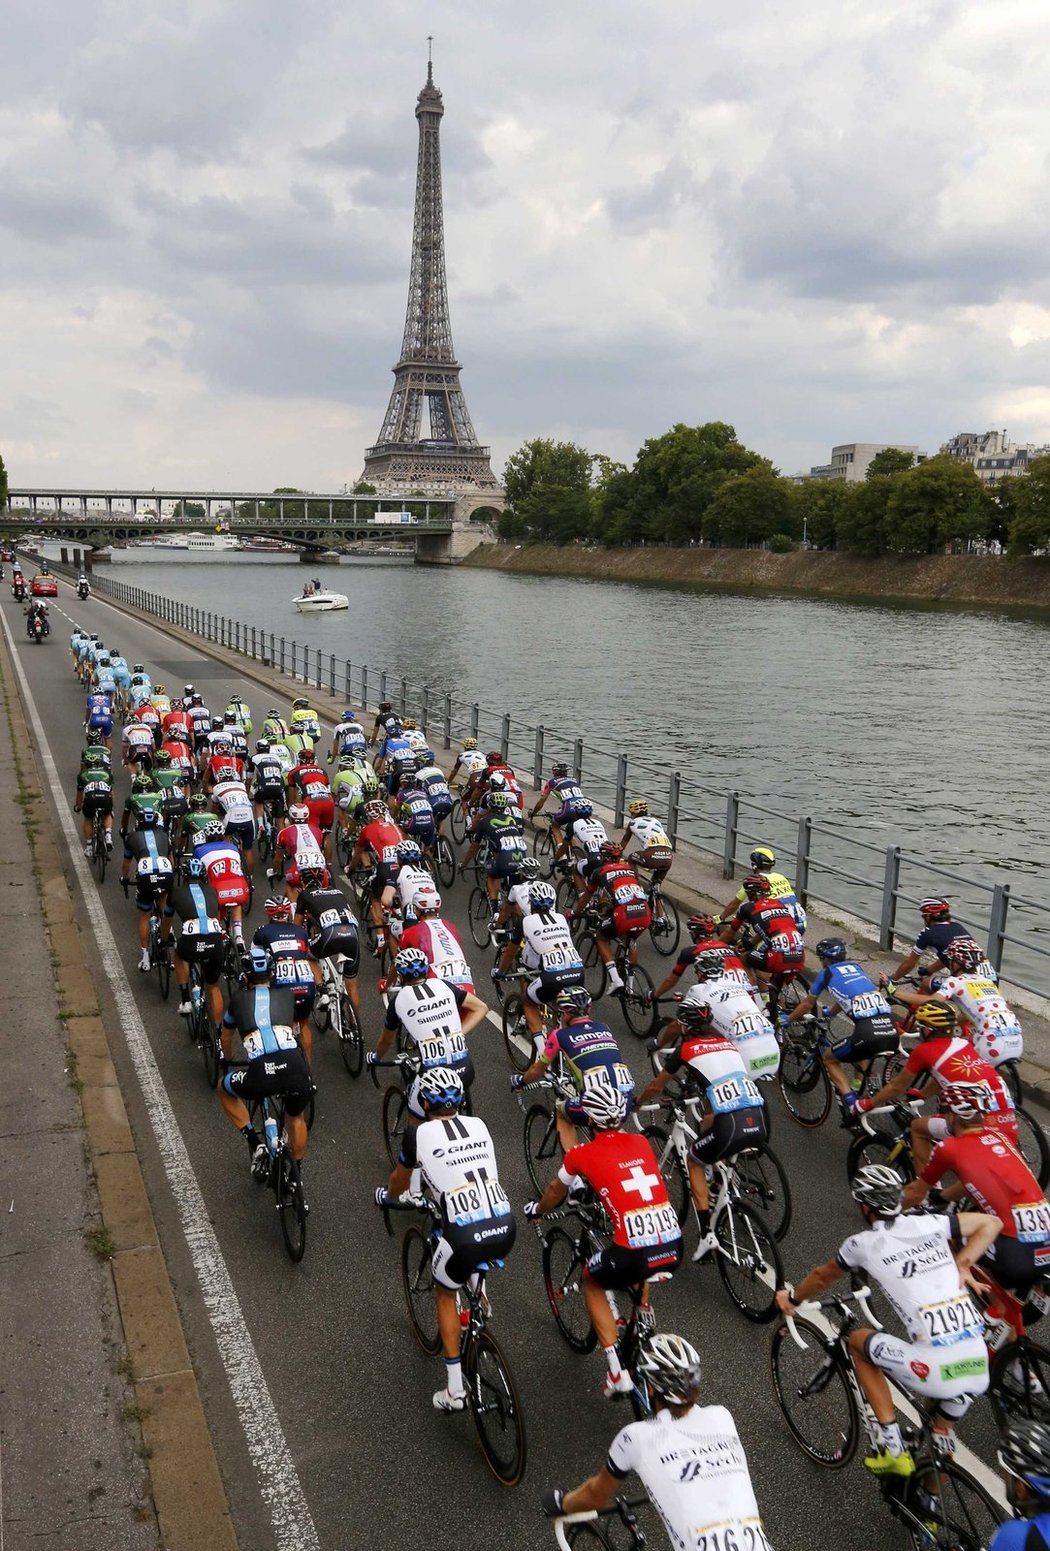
(902, 725)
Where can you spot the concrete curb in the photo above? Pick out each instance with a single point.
(188, 1494)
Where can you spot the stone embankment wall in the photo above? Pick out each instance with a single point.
(959, 579)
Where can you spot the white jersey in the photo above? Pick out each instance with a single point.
(409, 881)
(442, 947)
(267, 769)
(735, 1014)
(648, 831)
(547, 943)
(472, 760)
(695, 1471)
(429, 1015)
(589, 834)
(415, 739)
(138, 736)
(305, 850)
(994, 1028)
(518, 894)
(457, 1160)
(350, 736)
(233, 799)
(911, 1260)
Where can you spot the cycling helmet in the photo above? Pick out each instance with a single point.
(273, 714)
(409, 724)
(493, 757)
(412, 964)
(497, 801)
(196, 699)
(527, 870)
(880, 1188)
(198, 802)
(542, 896)
(95, 757)
(375, 812)
(218, 723)
(700, 926)
(671, 1367)
(298, 812)
(370, 784)
(149, 818)
(348, 716)
(306, 752)
(141, 783)
(160, 689)
(345, 762)
(934, 1020)
(610, 851)
(831, 948)
(440, 1087)
(262, 745)
(178, 704)
(138, 668)
(162, 758)
(236, 700)
(188, 690)
(762, 856)
(966, 1100)
(469, 743)
(278, 908)
(638, 809)
(299, 704)
(427, 902)
(423, 759)
(94, 737)
(935, 909)
(195, 869)
(498, 781)
(312, 876)
(408, 851)
(574, 1000)
(258, 959)
(178, 734)
(212, 830)
(710, 963)
(963, 953)
(406, 780)
(1024, 1454)
(222, 746)
(694, 1016)
(560, 768)
(756, 885)
(604, 1105)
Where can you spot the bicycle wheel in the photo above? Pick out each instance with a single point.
(890, 1150)
(516, 1037)
(946, 1509)
(101, 854)
(444, 862)
(542, 1149)
(638, 1002)
(665, 933)
(1033, 1146)
(1020, 1382)
(161, 961)
(1010, 1072)
(479, 911)
(563, 1279)
(789, 995)
(495, 1407)
(814, 1395)
(262, 838)
(565, 896)
(594, 976)
(763, 1186)
(543, 850)
(417, 1279)
(211, 1050)
(803, 1082)
(748, 1261)
(586, 1536)
(395, 1121)
(671, 1169)
(291, 1205)
(457, 822)
(351, 1043)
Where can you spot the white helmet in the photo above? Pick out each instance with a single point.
(671, 1367)
(604, 1105)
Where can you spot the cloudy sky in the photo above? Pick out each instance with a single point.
(821, 220)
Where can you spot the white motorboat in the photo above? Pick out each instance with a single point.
(321, 601)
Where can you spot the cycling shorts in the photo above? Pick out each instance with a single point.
(98, 802)
(730, 1134)
(243, 832)
(270, 792)
(280, 1071)
(383, 878)
(442, 807)
(657, 859)
(503, 863)
(868, 1037)
(151, 888)
(102, 724)
(775, 962)
(141, 754)
(206, 951)
(339, 939)
(234, 892)
(615, 1267)
(954, 1375)
(460, 1250)
(1016, 1266)
(293, 880)
(632, 918)
(548, 983)
(322, 812)
(303, 998)
(565, 818)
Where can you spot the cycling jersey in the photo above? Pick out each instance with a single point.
(695, 1471)
(547, 943)
(630, 903)
(414, 813)
(994, 1029)
(311, 782)
(432, 780)
(264, 1019)
(180, 759)
(349, 738)
(410, 879)
(95, 788)
(911, 1260)
(648, 832)
(775, 924)
(440, 941)
(622, 1170)
(267, 772)
(588, 834)
(331, 925)
(955, 1060)
(1023, 1534)
(472, 761)
(222, 862)
(718, 1066)
(232, 797)
(457, 1163)
(223, 767)
(997, 1178)
(382, 840)
(571, 801)
(428, 1012)
(306, 724)
(591, 1055)
(502, 834)
(137, 737)
(732, 964)
(737, 1016)
(291, 968)
(302, 842)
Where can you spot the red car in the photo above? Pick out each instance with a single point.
(43, 586)
(6, 555)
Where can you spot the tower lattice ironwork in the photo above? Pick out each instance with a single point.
(443, 450)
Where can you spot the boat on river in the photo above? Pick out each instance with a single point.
(318, 600)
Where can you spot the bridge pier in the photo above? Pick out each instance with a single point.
(447, 548)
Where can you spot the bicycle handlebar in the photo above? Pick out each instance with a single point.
(899, 1107)
(860, 1295)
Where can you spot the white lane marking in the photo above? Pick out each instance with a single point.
(278, 1479)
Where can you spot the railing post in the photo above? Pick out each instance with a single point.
(319, 676)
(537, 758)
(237, 636)
(621, 788)
(890, 881)
(997, 924)
(732, 825)
(577, 760)
(447, 731)
(424, 710)
(253, 643)
(364, 687)
(282, 654)
(805, 835)
(674, 794)
(346, 682)
(475, 719)
(331, 674)
(382, 685)
(504, 736)
(404, 696)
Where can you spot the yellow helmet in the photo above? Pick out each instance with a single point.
(159, 689)
(935, 1019)
(409, 724)
(469, 743)
(638, 807)
(762, 856)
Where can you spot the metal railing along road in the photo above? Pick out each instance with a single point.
(870, 882)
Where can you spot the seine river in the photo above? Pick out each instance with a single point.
(901, 725)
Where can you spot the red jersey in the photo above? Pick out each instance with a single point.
(180, 756)
(998, 1179)
(956, 1060)
(441, 943)
(621, 1169)
(310, 781)
(149, 716)
(688, 956)
(382, 840)
(219, 767)
(299, 839)
(177, 719)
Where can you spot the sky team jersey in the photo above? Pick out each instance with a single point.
(264, 1019)
(440, 942)
(994, 1029)
(737, 1016)
(622, 1170)
(911, 1260)
(957, 1061)
(695, 1471)
(851, 991)
(998, 1180)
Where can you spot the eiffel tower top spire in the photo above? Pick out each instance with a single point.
(427, 373)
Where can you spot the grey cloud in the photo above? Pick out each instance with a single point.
(652, 205)
(50, 211)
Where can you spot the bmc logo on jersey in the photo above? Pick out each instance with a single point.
(920, 1370)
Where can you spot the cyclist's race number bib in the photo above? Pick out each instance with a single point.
(330, 918)
(650, 1225)
(476, 1202)
(1032, 1222)
(867, 1005)
(561, 958)
(617, 1074)
(293, 972)
(737, 1092)
(955, 1319)
(746, 1024)
(747, 1536)
(211, 928)
(446, 1047)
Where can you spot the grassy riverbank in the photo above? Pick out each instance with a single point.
(959, 579)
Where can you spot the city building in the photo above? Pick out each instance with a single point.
(850, 461)
(993, 455)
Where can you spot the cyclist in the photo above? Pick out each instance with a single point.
(948, 1059)
(292, 966)
(938, 929)
(94, 795)
(331, 927)
(237, 710)
(396, 756)
(854, 996)
(387, 722)
(353, 784)
(435, 1016)
(621, 1169)
(98, 714)
(623, 904)
(265, 1020)
(688, 1457)
(970, 987)
(590, 1055)
(147, 846)
(267, 778)
(572, 805)
(780, 949)
(231, 803)
(222, 863)
(457, 1162)
(655, 853)
(238, 740)
(763, 861)
(736, 1111)
(305, 722)
(377, 846)
(412, 811)
(922, 1264)
(469, 761)
(348, 737)
(733, 1011)
(171, 782)
(197, 819)
(274, 725)
(498, 827)
(438, 939)
(992, 1173)
(137, 747)
(200, 722)
(411, 876)
(431, 779)
(177, 719)
(1024, 1456)
(549, 960)
(160, 700)
(298, 845)
(199, 939)
(702, 930)
(308, 783)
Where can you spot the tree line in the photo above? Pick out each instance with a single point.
(701, 485)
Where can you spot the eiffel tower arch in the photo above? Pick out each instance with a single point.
(427, 442)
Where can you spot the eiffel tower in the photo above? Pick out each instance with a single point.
(444, 450)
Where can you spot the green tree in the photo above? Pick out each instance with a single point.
(1030, 527)
(364, 488)
(890, 460)
(677, 476)
(861, 524)
(1002, 509)
(819, 506)
(749, 508)
(936, 504)
(548, 486)
(191, 511)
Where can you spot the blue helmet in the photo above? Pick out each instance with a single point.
(349, 716)
(196, 869)
(831, 948)
(440, 1086)
(412, 964)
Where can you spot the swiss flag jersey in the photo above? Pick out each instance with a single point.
(622, 1170)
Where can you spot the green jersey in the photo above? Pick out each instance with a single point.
(138, 803)
(94, 779)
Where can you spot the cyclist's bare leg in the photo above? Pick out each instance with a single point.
(921, 1143)
(836, 1072)
(295, 1131)
(601, 1315)
(448, 1322)
(306, 1039)
(698, 1187)
(872, 1380)
(568, 1136)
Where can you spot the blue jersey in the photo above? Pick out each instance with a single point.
(394, 745)
(1023, 1535)
(851, 990)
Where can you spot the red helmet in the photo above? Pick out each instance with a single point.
(494, 757)
(963, 953)
(699, 926)
(756, 885)
(610, 850)
(934, 909)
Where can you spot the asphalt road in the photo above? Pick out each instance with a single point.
(351, 1390)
